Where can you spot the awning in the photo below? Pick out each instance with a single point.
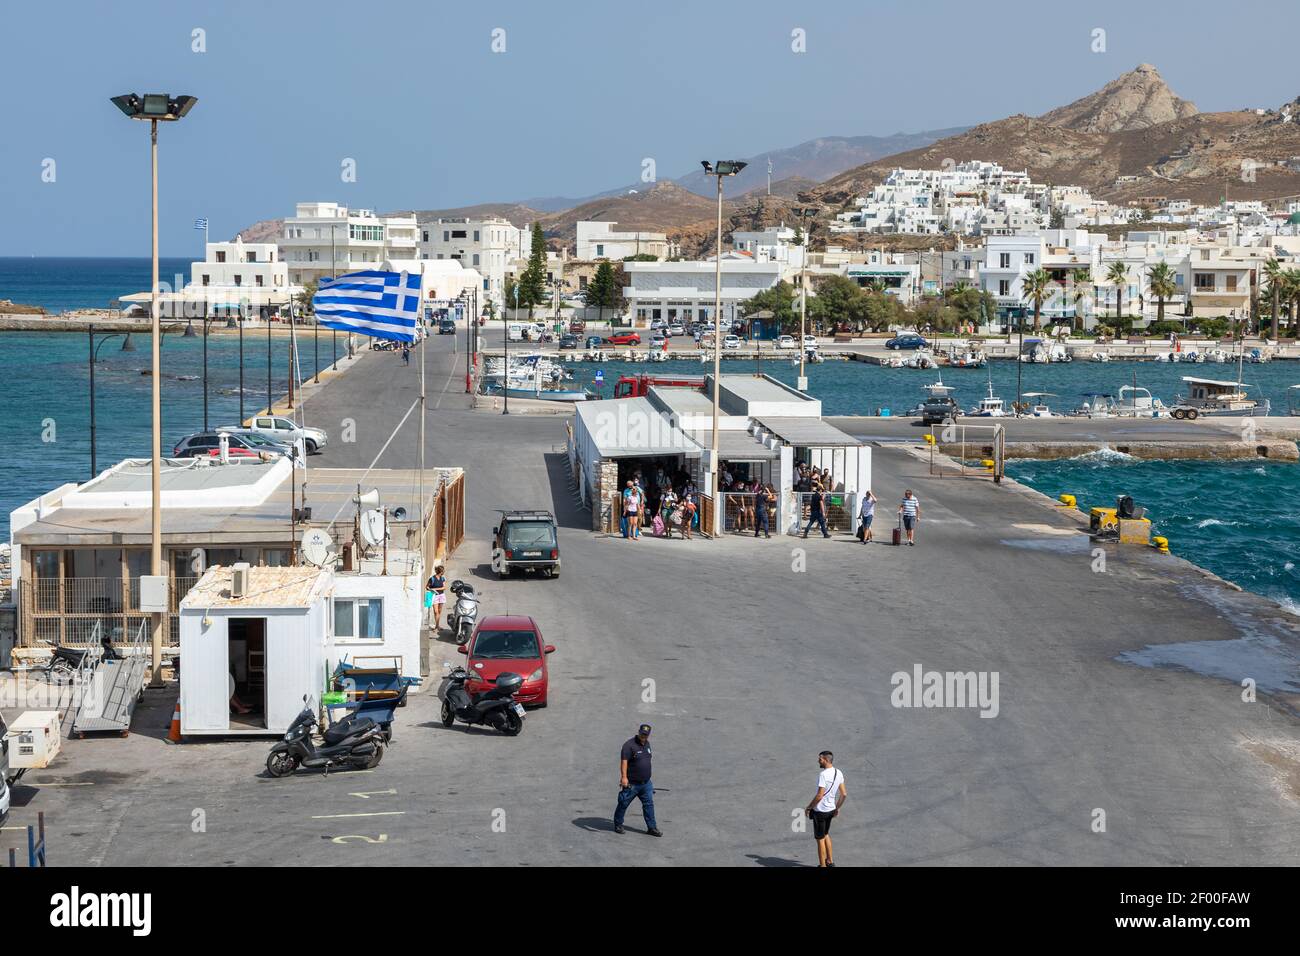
(807, 432)
(735, 445)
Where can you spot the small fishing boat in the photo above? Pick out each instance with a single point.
(971, 356)
(1207, 396)
(1100, 356)
(1037, 406)
(990, 406)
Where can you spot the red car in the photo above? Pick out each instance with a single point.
(509, 643)
(624, 338)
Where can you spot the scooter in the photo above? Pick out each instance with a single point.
(493, 708)
(464, 613)
(355, 742)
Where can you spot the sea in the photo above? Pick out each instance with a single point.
(1222, 516)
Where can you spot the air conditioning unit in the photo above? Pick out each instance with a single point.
(239, 583)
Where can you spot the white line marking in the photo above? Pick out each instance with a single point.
(337, 816)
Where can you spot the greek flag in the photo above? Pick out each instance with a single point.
(384, 305)
(200, 224)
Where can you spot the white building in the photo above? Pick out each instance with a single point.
(242, 277)
(598, 240)
(324, 239)
(684, 291)
(773, 244)
(487, 245)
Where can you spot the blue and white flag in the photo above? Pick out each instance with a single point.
(385, 305)
(200, 224)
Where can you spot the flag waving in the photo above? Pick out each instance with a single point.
(384, 305)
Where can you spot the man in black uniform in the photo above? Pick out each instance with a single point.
(634, 781)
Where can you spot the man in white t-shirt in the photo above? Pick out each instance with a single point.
(825, 805)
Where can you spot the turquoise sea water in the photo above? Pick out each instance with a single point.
(82, 283)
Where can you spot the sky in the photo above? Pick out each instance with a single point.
(446, 104)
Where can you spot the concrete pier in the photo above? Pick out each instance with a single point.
(1120, 677)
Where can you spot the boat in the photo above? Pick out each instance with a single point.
(1038, 407)
(972, 356)
(1217, 356)
(540, 394)
(989, 407)
(1207, 396)
(1100, 356)
(892, 361)
(921, 359)
(1096, 405)
(1033, 351)
(1293, 400)
(1057, 352)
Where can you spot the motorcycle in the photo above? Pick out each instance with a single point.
(355, 742)
(495, 708)
(464, 613)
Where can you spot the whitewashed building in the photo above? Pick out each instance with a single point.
(599, 240)
(323, 239)
(488, 246)
(684, 291)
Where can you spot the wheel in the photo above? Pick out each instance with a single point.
(370, 761)
(510, 724)
(280, 763)
(555, 572)
(448, 718)
(1191, 414)
(1177, 413)
(309, 445)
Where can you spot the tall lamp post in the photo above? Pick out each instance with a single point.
(127, 346)
(155, 108)
(803, 213)
(720, 169)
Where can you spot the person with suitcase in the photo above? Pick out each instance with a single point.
(866, 513)
(909, 509)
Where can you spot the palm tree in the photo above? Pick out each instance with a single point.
(1082, 279)
(1034, 287)
(1117, 275)
(1276, 276)
(1291, 289)
(1163, 286)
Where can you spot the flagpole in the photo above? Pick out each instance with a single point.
(418, 322)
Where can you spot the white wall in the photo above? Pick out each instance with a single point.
(403, 597)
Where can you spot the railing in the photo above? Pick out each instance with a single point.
(837, 515)
(740, 511)
(75, 612)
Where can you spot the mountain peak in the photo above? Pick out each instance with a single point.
(1136, 100)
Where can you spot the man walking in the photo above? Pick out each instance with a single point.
(764, 499)
(867, 513)
(825, 805)
(817, 511)
(910, 509)
(634, 781)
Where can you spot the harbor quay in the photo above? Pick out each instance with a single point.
(1127, 706)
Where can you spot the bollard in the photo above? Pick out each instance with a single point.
(1161, 544)
(929, 439)
(1068, 501)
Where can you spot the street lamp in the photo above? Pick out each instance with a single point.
(803, 213)
(127, 346)
(723, 167)
(155, 108)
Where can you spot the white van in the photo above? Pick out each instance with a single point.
(515, 332)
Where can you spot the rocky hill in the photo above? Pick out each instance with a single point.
(1136, 100)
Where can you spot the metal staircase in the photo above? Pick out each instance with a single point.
(110, 689)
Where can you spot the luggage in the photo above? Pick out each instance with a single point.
(622, 525)
(898, 532)
(657, 526)
(862, 531)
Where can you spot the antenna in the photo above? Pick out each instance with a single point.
(317, 547)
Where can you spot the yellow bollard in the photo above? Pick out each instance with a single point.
(1068, 501)
(929, 439)
(1160, 544)
(987, 463)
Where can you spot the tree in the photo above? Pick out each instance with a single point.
(1034, 286)
(1276, 276)
(1163, 286)
(1117, 275)
(604, 291)
(780, 300)
(305, 296)
(1082, 279)
(532, 283)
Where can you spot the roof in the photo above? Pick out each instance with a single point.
(1211, 381)
(735, 445)
(267, 588)
(807, 432)
(631, 427)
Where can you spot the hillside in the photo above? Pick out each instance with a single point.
(1138, 99)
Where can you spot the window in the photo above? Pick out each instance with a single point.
(1029, 258)
(206, 278)
(1004, 287)
(239, 280)
(426, 236)
(446, 237)
(476, 235)
(277, 557)
(257, 280)
(458, 233)
(1203, 281)
(476, 258)
(250, 257)
(1232, 282)
(507, 645)
(1004, 260)
(221, 256)
(600, 249)
(359, 618)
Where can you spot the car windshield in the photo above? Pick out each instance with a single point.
(505, 645)
(530, 534)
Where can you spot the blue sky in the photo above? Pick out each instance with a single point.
(583, 92)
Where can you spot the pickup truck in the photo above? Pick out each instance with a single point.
(287, 432)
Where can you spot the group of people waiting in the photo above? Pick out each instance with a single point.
(660, 506)
(750, 504)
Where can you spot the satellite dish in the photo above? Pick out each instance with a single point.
(373, 526)
(317, 547)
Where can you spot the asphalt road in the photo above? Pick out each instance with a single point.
(749, 657)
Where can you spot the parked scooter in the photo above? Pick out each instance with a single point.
(492, 708)
(464, 613)
(355, 742)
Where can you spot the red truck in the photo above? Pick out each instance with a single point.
(635, 386)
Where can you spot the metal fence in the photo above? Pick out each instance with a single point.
(74, 612)
(836, 509)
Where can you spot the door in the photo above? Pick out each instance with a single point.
(205, 674)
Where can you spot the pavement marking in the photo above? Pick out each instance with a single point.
(51, 783)
(341, 840)
(382, 813)
(367, 794)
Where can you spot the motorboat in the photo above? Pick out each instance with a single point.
(1135, 401)
(990, 406)
(921, 359)
(1293, 400)
(1100, 357)
(1207, 396)
(972, 356)
(1096, 405)
(1037, 406)
(1057, 352)
(1033, 352)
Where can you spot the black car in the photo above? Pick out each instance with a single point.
(568, 341)
(935, 411)
(908, 340)
(526, 541)
(447, 327)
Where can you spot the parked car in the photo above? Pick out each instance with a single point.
(731, 342)
(810, 341)
(907, 340)
(4, 772)
(594, 342)
(577, 326)
(568, 341)
(509, 644)
(786, 342)
(676, 328)
(526, 541)
(286, 431)
(657, 340)
(447, 327)
(515, 332)
(623, 338)
(247, 445)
